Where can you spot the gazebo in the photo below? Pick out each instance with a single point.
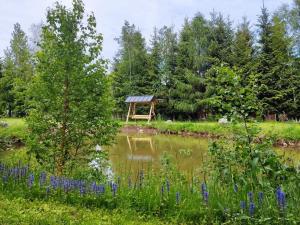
(142, 100)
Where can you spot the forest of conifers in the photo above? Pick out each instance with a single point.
(182, 69)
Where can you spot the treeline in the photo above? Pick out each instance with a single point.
(186, 71)
(183, 69)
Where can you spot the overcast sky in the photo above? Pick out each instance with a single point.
(145, 14)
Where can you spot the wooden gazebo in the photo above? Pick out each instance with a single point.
(142, 100)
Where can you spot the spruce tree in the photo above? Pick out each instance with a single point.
(17, 72)
(243, 51)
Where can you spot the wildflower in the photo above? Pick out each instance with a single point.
(168, 186)
(251, 208)
(162, 189)
(177, 198)
(250, 195)
(203, 188)
(205, 197)
(42, 179)
(30, 180)
(82, 190)
(94, 164)
(280, 196)
(98, 148)
(114, 189)
(243, 205)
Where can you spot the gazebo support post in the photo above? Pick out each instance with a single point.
(128, 114)
(150, 113)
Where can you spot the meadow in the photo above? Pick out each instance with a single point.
(167, 196)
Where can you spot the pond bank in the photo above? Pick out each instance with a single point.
(213, 130)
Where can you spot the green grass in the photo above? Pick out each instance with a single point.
(16, 128)
(22, 211)
(288, 131)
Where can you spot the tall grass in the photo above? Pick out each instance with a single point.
(168, 195)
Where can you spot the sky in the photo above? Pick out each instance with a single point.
(145, 14)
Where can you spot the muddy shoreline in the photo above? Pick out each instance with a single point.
(148, 130)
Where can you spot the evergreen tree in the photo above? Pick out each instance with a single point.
(188, 87)
(7, 97)
(71, 105)
(267, 92)
(163, 65)
(221, 40)
(131, 67)
(18, 72)
(243, 51)
(273, 65)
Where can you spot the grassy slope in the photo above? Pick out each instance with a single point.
(287, 131)
(21, 211)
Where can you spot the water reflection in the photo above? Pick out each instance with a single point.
(136, 151)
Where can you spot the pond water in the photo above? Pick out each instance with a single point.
(134, 151)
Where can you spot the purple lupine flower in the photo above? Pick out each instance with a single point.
(94, 187)
(250, 196)
(280, 196)
(235, 188)
(82, 190)
(177, 198)
(30, 180)
(168, 186)
(203, 188)
(243, 205)
(42, 178)
(162, 190)
(251, 208)
(53, 182)
(114, 189)
(205, 197)
(260, 198)
(102, 188)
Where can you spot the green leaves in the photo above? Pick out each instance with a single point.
(70, 96)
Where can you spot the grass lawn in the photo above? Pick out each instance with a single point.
(288, 131)
(22, 211)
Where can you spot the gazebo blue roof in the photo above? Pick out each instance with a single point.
(142, 98)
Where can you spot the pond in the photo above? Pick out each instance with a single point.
(134, 151)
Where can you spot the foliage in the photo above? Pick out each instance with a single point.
(70, 102)
(18, 210)
(130, 76)
(17, 74)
